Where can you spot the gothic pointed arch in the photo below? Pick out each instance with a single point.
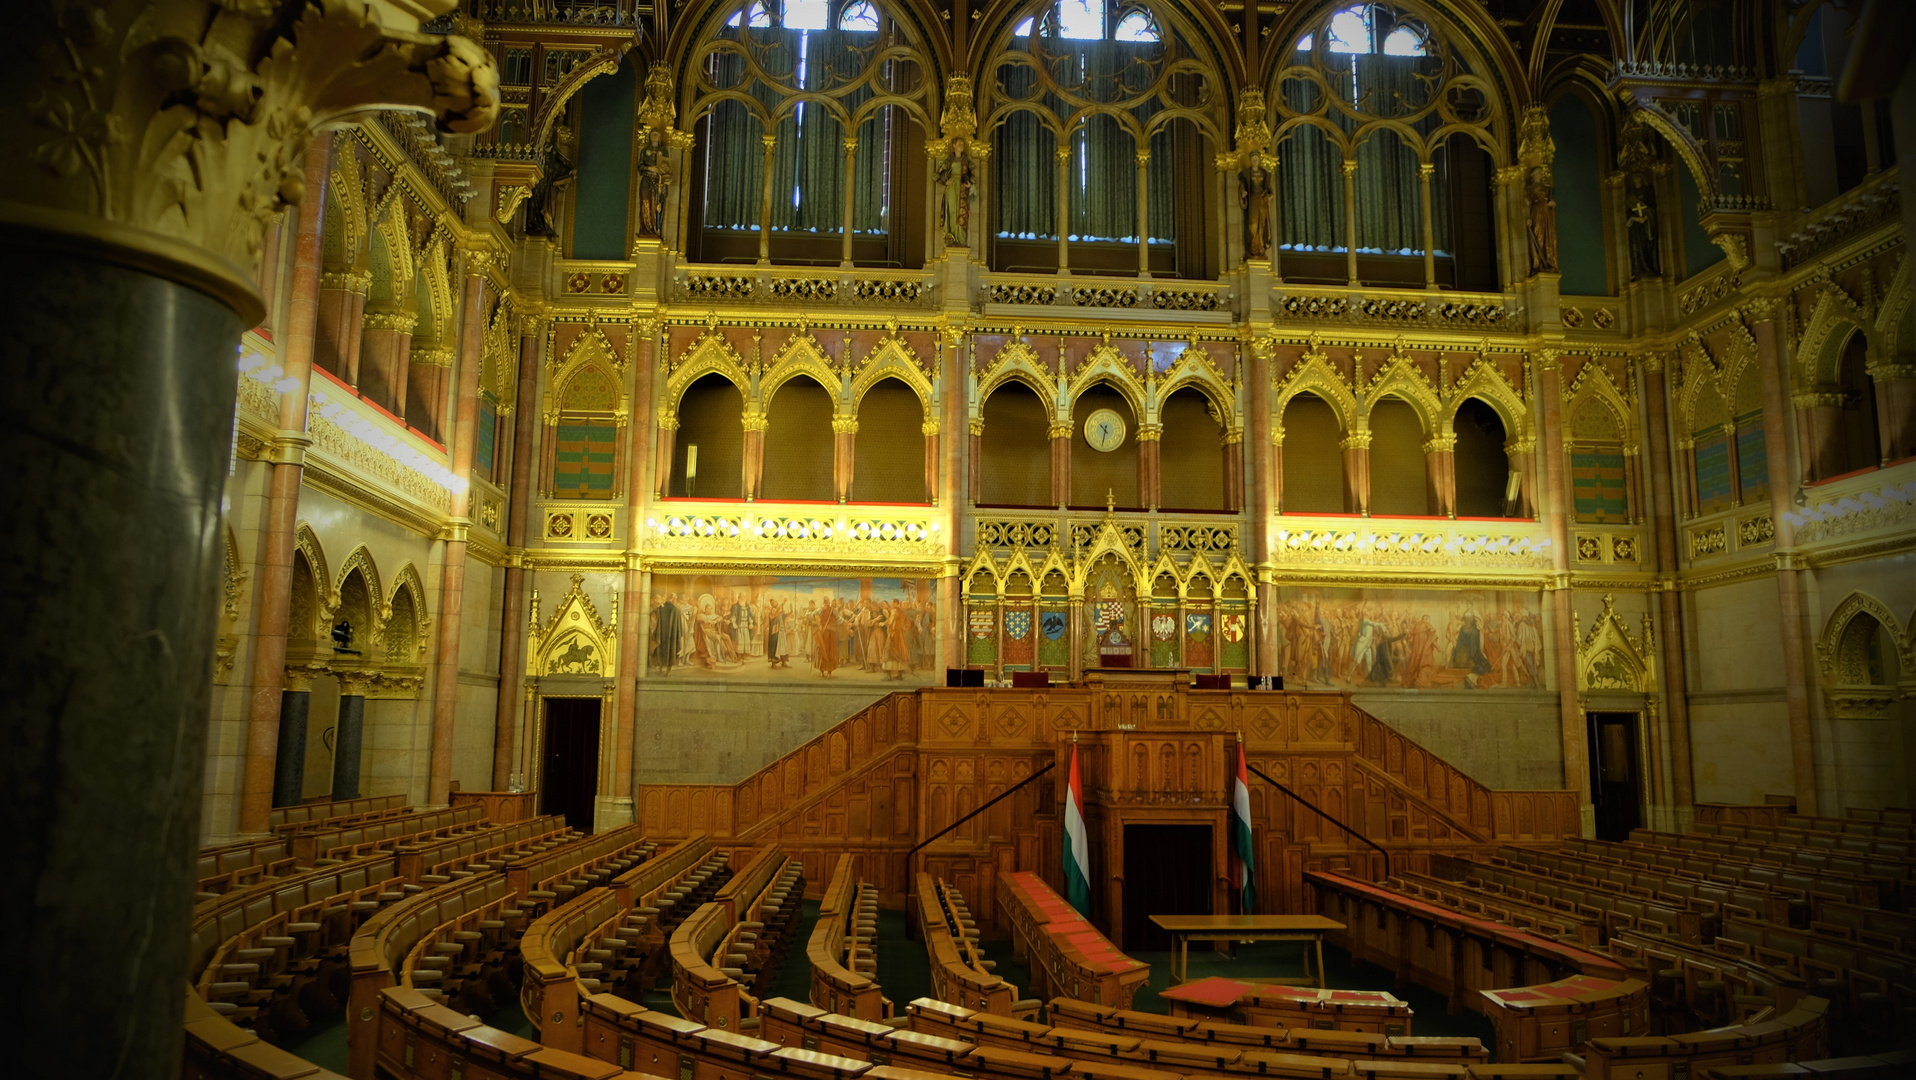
(361, 560)
(1485, 381)
(892, 358)
(1015, 362)
(1107, 365)
(711, 354)
(401, 648)
(307, 543)
(1402, 379)
(1195, 368)
(1819, 351)
(1838, 651)
(1313, 373)
(574, 641)
(801, 355)
(1610, 657)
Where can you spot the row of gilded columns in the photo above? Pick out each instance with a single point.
(1060, 436)
(275, 725)
(844, 456)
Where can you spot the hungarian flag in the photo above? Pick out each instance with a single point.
(1243, 862)
(1077, 849)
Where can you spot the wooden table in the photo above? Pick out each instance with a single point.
(1185, 929)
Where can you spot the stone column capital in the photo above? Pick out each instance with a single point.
(165, 137)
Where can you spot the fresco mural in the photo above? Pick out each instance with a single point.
(1414, 639)
(770, 629)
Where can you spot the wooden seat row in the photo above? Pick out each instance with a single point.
(1692, 987)
(1797, 1035)
(1860, 978)
(552, 877)
(307, 816)
(555, 975)
(420, 1039)
(230, 866)
(1541, 1023)
(797, 1039)
(1796, 883)
(387, 948)
(1827, 869)
(840, 952)
(218, 1049)
(1447, 951)
(1726, 897)
(387, 832)
(1888, 1065)
(1857, 823)
(724, 951)
(269, 958)
(1609, 903)
(960, 974)
(1861, 844)
(1066, 955)
(436, 862)
(1512, 906)
(1288, 1019)
(1897, 815)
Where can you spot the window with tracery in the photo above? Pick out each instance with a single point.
(1103, 121)
(1384, 138)
(810, 120)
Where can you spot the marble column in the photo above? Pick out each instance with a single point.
(975, 444)
(1896, 400)
(348, 734)
(386, 345)
(1669, 598)
(452, 582)
(1276, 482)
(273, 576)
(930, 430)
(844, 431)
(1233, 451)
(428, 385)
(1819, 417)
(662, 475)
(133, 251)
(1149, 492)
(289, 766)
(512, 614)
(1556, 496)
(1440, 475)
(754, 454)
(1356, 447)
(342, 304)
(1772, 366)
(1060, 464)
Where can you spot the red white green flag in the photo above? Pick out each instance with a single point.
(1243, 862)
(1077, 848)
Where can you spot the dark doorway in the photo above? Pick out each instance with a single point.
(1615, 790)
(1167, 871)
(571, 774)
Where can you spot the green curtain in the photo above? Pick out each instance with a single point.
(734, 156)
(1389, 197)
(1103, 174)
(1170, 144)
(1027, 201)
(1310, 175)
(871, 181)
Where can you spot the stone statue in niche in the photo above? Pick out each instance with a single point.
(956, 175)
(1646, 249)
(1254, 196)
(343, 638)
(654, 177)
(1541, 199)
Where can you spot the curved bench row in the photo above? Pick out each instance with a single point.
(558, 875)
(1797, 1035)
(721, 953)
(308, 816)
(384, 833)
(1066, 955)
(387, 949)
(1368, 1027)
(959, 974)
(840, 951)
(231, 866)
(438, 862)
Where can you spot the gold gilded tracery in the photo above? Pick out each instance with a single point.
(1105, 365)
(575, 641)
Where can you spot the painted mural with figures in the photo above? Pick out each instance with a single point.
(1412, 639)
(772, 628)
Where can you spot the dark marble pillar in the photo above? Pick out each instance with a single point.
(115, 434)
(346, 741)
(289, 764)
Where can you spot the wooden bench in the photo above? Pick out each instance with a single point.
(721, 953)
(435, 862)
(839, 950)
(1861, 879)
(387, 950)
(231, 866)
(1602, 903)
(218, 1049)
(959, 974)
(419, 1039)
(1798, 1035)
(540, 881)
(1445, 950)
(554, 975)
(1723, 896)
(1541, 1023)
(356, 841)
(307, 816)
(1066, 955)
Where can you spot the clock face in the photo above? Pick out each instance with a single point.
(1104, 430)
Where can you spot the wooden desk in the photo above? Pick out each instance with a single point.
(1185, 929)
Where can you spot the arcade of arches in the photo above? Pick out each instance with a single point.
(592, 406)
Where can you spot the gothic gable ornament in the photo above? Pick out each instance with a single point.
(574, 641)
(1610, 658)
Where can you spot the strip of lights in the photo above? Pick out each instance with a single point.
(376, 436)
(714, 526)
(1328, 540)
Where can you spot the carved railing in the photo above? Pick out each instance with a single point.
(859, 287)
(1497, 816)
(1877, 201)
(1115, 294)
(1494, 312)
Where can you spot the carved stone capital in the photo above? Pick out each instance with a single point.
(1759, 309)
(754, 422)
(1441, 444)
(1060, 431)
(352, 281)
(976, 425)
(845, 425)
(166, 136)
(399, 321)
(928, 428)
(1356, 440)
(438, 356)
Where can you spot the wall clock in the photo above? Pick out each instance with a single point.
(1104, 430)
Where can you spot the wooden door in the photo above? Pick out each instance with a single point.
(1616, 789)
(1167, 871)
(570, 778)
